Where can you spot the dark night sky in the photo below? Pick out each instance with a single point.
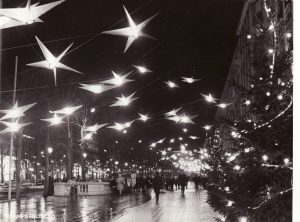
(195, 38)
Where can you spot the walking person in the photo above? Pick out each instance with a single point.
(120, 182)
(183, 182)
(157, 184)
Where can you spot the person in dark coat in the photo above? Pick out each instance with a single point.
(157, 184)
(182, 178)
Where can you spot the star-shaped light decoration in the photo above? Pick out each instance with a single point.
(94, 128)
(55, 120)
(118, 80)
(223, 105)
(16, 111)
(161, 140)
(96, 88)
(13, 127)
(12, 17)
(209, 98)
(189, 80)
(68, 110)
(171, 84)
(144, 117)
(52, 62)
(187, 119)
(87, 136)
(121, 126)
(142, 69)
(124, 101)
(173, 112)
(133, 31)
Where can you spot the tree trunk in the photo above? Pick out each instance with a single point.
(69, 152)
(46, 173)
(2, 166)
(18, 165)
(82, 160)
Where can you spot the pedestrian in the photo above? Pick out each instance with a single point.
(120, 182)
(196, 181)
(113, 185)
(182, 178)
(157, 184)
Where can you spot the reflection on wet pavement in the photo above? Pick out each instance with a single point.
(132, 207)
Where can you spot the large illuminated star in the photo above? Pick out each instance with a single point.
(133, 31)
(189, 79)
(96, 88)
(173, 112)
(52, 62)
(172, 84)
(209, 98)
(124, 101)
(142, 69)
(13, 127)
(121, 126)
(23, 16)
(118, 80)
(68, 110)
(94, 128)
(16, 111)
(55, 120)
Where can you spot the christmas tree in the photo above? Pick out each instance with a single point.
(250, 176)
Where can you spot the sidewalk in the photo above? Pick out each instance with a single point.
(172, 207)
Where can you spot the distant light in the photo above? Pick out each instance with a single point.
(184, 130)
(280, 97)
(172, 140)
(163, 152)
(93, 110)
(207, 127)
(117, 162)
(226, 189)
(117, 141)
(84, 155)
(237, 167)
(270, 51)
(126, 164)
(268, 93)
(249, 36)
(124, 131)
(247, 150)
(180, 138)
(286, 161)
(288, 35)
(140, 141)
(242, 219)
(143, 117)
(265, 157)
(171, 84)
(247, 102)
(50, 150)
(223, 105)
(209, 98)
(229, 204)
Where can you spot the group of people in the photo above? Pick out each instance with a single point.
(144, 183)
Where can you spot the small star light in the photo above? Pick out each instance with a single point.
(237, 167)
(247, 102)
(286, 161)
(229, 203)
(249, 36)
(142, 69)
(270, 51)
(223, 105)
(194, 137)
(189, 79)
(288, 35)
(164, 152)
(94, 128)
(226, 189)
(180, 138)
(279, 97)
(247, 150)
(271, 27)
(207, 127)
(143, 117)
(88, 136)
(265, 157)
(118, 80)
(124, 101)
(140, 141)
(93, 110)
(209, 98)
(184, 130)
(68, 110)
(173, 112)
(172, 140)
(268, 93)
(171, 84)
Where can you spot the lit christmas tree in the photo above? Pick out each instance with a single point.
(251, 179)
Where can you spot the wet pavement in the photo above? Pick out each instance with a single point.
(132, 207)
